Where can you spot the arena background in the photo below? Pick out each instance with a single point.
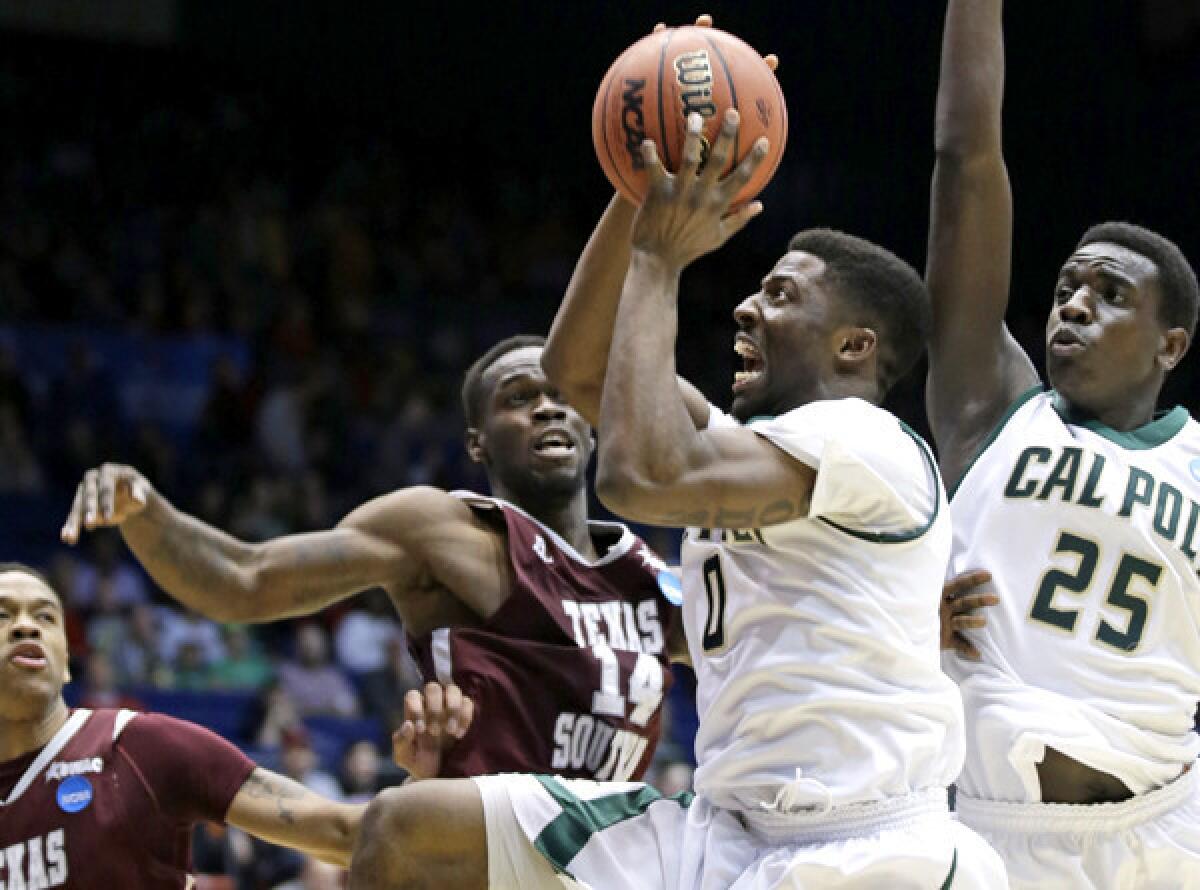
(250, 247)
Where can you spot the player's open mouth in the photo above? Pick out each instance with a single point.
(555, 444)
(29, 656)
(753, 365)
(1066, 342)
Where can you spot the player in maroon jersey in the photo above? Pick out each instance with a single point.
(555, 626)
(107, 799)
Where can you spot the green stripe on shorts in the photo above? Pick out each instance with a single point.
(953, 868)
(563, 838)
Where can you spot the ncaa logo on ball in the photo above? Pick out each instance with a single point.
(74, 794)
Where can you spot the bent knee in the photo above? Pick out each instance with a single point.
(426, 835)
(429, 818)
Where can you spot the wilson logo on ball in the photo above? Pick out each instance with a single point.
(694, 73)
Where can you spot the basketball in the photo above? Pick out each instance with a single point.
(654, 85)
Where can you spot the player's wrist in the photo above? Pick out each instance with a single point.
(655, 263)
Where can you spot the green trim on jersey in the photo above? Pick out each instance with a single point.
(901, 537)
(1164, 427)
(953, 868)
(992, 436)
(570, 831)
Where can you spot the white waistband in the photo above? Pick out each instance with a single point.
(845, 822)
(996, 815)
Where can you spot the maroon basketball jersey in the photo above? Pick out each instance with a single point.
(569, 675)
(110, 801)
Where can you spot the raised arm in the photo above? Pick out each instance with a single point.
(576, 353)
(388, 542)
(976, 367)
(655, 465)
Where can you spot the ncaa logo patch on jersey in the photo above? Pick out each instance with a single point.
(74, 794)
(671, 586)
(1194, 466)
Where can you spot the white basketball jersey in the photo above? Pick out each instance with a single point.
(815, 641)
(1091, 536)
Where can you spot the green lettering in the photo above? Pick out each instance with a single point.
(1138, 490)
(1189, 536)
(1088, 498)
(1063, 475)
(1166, 518)
(1035, 453)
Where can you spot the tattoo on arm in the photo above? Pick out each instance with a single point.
(283, 792)
(777, 511)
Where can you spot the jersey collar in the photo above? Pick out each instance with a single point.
(1164, 427)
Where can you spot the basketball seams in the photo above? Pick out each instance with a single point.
(664, 137)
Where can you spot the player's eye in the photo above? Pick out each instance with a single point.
(47, 616)
(1063, 293)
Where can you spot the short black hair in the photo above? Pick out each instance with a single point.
(1176, 278)
(882, 288)
(472, 388)
(6, 567)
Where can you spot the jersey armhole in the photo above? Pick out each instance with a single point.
(912, 534)
(994, 434)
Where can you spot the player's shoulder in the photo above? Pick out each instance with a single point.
(422, 504)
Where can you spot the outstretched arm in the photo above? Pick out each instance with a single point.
(277, 809)
(386, 542)
(655, 465)
(976, 368)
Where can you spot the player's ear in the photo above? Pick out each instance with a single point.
(1172, 346)
(855, 345)
(475, 441)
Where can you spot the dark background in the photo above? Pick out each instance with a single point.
(250, 247)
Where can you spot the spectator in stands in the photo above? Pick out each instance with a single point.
(180, 628)
(362, 772)
(124, 582)
(137, 657)
(384, 689)
(362, 636)
(100, 687)
(279, 715)
(300, 762)
(244, 665)
(312, 682)
(190, 671)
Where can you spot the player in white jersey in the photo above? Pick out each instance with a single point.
(812, 568)
(1082, 503)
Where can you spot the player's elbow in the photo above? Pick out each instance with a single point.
(624, 490)
(580, 387)
(963, 138)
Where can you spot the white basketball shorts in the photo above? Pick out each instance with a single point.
(1150, 842)
(546, 833)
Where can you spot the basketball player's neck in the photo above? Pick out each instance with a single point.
(19, 737)
(565, 515)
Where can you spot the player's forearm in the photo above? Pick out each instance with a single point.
(339, 832)
(971, 82)
(645, 431)
(277, 809)
(576, 352)
(201, 566)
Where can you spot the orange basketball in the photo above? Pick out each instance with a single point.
(655, 84)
